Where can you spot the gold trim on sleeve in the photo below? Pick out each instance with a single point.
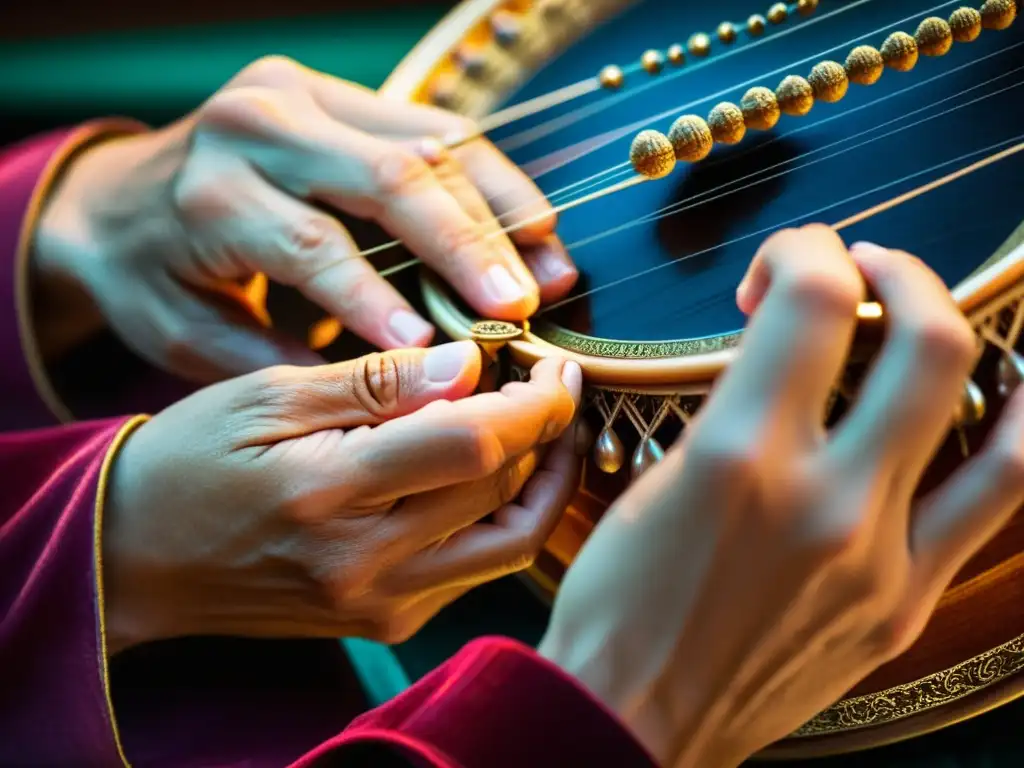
(76, 141)
(101, 499)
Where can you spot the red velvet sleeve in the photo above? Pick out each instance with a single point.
(496, 704)
(54, 708)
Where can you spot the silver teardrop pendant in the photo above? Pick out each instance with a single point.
(1010, 373)
(647, 454)
(609, 455)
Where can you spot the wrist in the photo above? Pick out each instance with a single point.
(676, 726)
(64, 310)
(132, 605)
(109, 204)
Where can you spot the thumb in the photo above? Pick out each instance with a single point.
(362, 392)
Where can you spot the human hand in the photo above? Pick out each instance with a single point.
(164, 231)
(342, 500)
(766, 565)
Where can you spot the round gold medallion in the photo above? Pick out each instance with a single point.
(494, 330)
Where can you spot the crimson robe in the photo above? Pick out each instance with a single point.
(206, 701)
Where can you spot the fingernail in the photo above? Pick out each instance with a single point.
(409, 328)
(868, 249)
(446, 363)
(501, 286)
(743, 287)
(549, 268)
(572, 378)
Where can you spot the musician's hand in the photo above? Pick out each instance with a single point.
(351, 499)
(766, 565)
(148, 227)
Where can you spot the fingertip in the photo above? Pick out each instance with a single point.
(572, 378)
(507, 297)
(553, 269)
(408, 329)
(456, 366)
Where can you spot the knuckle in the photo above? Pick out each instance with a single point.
(483, 451)
(197, 197)
(398, 171)
(508, 482)
(376, 382)
(726, 457)
(392, 631)
(943, 337)
(276, 392)
(455, 239)
(309, 239)
(1006, 458)
(273, 71)
(836, 293)
(526, 554)
(891, 634)
(244, 110)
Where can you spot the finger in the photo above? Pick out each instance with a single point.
(486, 551)
(512, 195)
(429, 518)
(450, 443)
(284, 403)
(354, 104)
(552, 269)
(294, 142)
(550, 264)
(795, 346)
(206, 338)
(905, 406)
(241, 224)
(953, 522)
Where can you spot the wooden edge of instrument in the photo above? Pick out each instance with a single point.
(409, 81)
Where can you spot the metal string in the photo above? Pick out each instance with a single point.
(560, 158)
(862, 216)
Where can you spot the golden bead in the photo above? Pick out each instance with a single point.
(675, 54)
(934, 37)
(726, 123)
(760, 109)
(966, 25)
(756, 25)
(652, 154)
(726, 32)
(899, 51)
(699, 44)
(828, 81)
(864, 65)
(998, 14)
(778, 13)
(691, 138)
(795, 96)
(807, 7)
(611, 77)
(652, 61)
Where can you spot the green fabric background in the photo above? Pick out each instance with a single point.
(156, 75)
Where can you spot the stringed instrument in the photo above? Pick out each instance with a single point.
(673, 138)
